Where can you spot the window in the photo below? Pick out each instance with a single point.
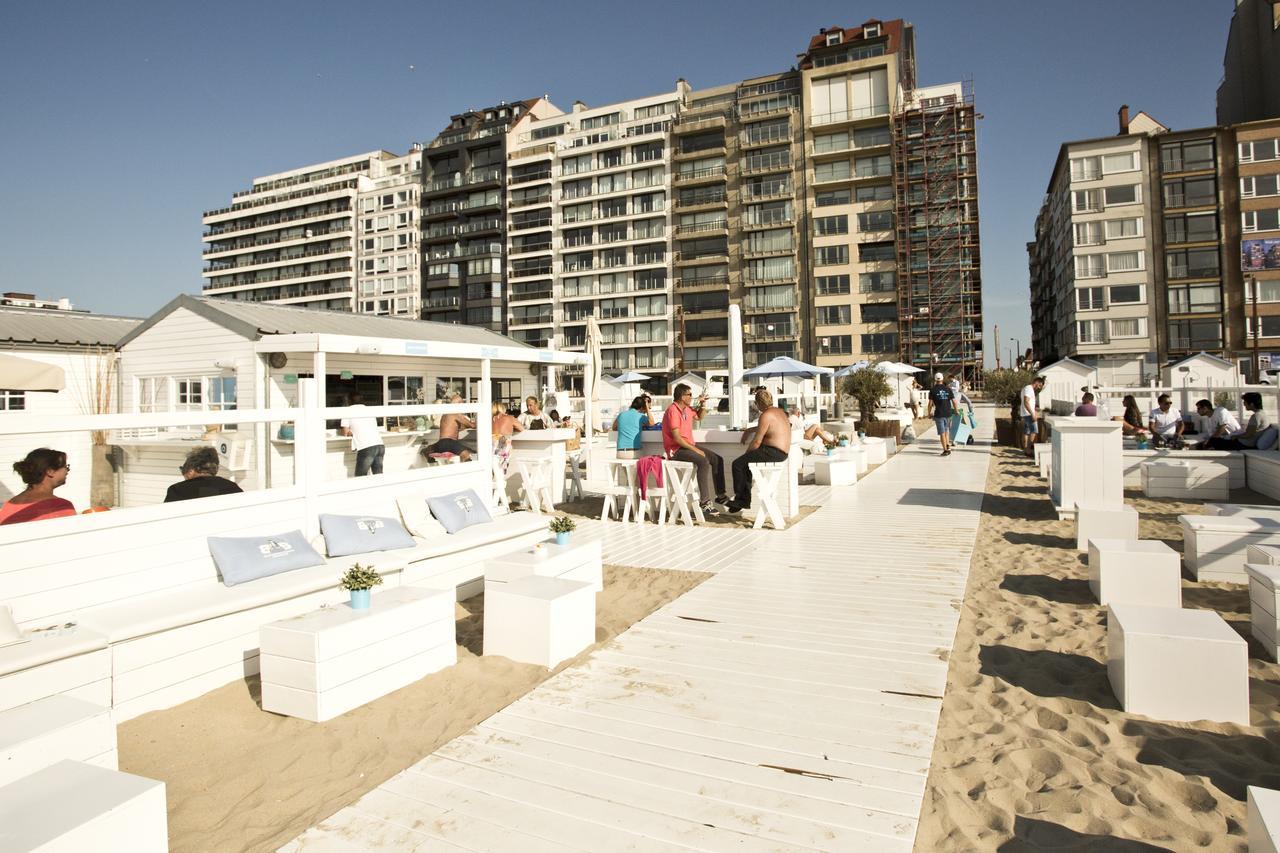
(1088, 234)
(828, 142)
(770, 269)
(873, 167)
(1126, 294)
(1192, 263)
(1112, 163)
(1090, 266)
(1191, 228)
(1259, 186)
(1261, 220)
(1260, 150)
(1127, 194)
(13, 401)
(1091, 298)
(1091, 331)
(1085, 201)
(879, 312)
(1119, 228)
(825, 225)
(651, 306)
(772, 240)
(406, 390)
(773, 296)
(188, 393)
(829, 255)
(1187, 156)
(872, 137)
(833, 315)
(1124, 261)
(767, 213)
(832, 284)
(1191, 192)
(834, 197)
(1197, 334)
(876, 220)
(222, 393)
(879, 192)
(840, 170)
(877, 282)
(876, 252)
(880, 342)
(1085, 169)
(1195, 299)
(1130, 327)
(835, 345)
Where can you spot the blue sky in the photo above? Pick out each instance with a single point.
(121, 123)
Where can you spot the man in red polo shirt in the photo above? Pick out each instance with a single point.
(677, 443)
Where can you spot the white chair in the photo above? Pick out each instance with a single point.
(535, 483)
(765, 479)
(682, 491)
(573, 476)
(622, 484)
(500, 498)
(655, 501)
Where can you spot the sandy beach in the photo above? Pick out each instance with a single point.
(241, 779)
(1033, 752)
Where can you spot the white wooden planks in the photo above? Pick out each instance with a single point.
(788, 703)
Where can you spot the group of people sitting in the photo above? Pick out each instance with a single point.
(1164, 425)
(44, 470)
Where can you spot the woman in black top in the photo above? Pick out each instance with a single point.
(200, 478)
(1133, 420)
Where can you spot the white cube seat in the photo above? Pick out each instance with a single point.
(539, 620)
(72, 806)
(1173, 664)
(327, 662)
(1214, 547)
(1263, 822)
(877, 449)
(1263, 555)
(576, 561)
(53, 729)
(1134, 571)
(1186, 480)
(830, 471)
(1264, 606)
(855, 454)
(1104, 522)
(1249, 510)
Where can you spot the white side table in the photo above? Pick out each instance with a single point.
(577, 561)
(877, 450)
(539, 620)
(1264, 819)
(855, 454)
(1264, 606)
(53, 729)
(326, 662)
(1132, 571)
(1104, 522)
(73, 806)
(832, 471)
(1180, 665)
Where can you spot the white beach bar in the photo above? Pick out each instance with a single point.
(1086, 466)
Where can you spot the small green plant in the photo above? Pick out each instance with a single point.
(360, 577)
(563, 524)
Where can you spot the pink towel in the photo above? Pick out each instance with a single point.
(645, 466)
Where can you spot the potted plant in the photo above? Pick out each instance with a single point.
(359, 580)
(844, 439)
(562, 526)
(1004, 388)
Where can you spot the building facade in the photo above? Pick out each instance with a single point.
(1250, 87)
(1257, 152)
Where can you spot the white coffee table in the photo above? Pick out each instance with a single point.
(577, 561)
(326, 662)
(539, 620)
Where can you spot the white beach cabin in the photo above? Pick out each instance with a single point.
(1062, 383)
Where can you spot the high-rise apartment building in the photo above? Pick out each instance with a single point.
(388, 266)
(1250, 87)
(1257, 150)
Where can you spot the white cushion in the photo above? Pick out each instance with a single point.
(417, 517)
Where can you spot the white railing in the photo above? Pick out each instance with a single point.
(1066, 396)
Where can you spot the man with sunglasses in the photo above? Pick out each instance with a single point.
(678, 444)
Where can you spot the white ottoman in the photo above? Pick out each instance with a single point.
(54, 729)
(539, 620)
(1262, 555)
(577, 561)
(1264, 820)
(1104, 522)
(71, 806)
(830, 471)
(1264, 606)
(854, 454)
(1133, 571)
(326, 662)
(1180, 665)
(1186, 480)
(877, 450)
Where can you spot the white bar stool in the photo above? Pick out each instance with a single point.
(682, 491)
(573, 476)
(535, 482)
(622, 484)
(654, 499)
(499, 483)
(765, 479)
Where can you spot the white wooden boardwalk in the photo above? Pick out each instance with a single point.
(788, 703)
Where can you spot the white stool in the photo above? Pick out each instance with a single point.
(1132, 571)
(1264, 605)
(1104, 522)
(877, 450)
(539, 620)
(654, 499)
(766, 477)
(856, 455)
(832, 471)
(622, 484)
(535, 482)
(1264, 819)
(499, 483)
(1180, 665)
(682, 491)
(52, 729)
(573, 476)
(75, 806)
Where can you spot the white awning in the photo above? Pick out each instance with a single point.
(23, 374)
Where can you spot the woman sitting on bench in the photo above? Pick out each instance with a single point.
(43, 471)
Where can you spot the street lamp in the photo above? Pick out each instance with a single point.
(1017, 352)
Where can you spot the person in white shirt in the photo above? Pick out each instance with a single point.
(1246, 439)
(1027, 408)
(1165, 422)
(534, 417)
(1220, 422)
(366, 441)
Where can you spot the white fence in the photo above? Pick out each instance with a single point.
(1066, 396)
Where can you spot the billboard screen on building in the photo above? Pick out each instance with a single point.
(1260, 255)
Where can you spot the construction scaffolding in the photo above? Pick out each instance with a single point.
(939, 263)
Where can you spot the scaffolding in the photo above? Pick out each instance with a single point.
(938, 259)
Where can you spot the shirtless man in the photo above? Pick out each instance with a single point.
(770, 442)
(450, 425)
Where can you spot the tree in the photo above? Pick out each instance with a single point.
(869, 387)
(1004, 386)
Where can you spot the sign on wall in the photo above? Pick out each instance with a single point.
(1260, 255)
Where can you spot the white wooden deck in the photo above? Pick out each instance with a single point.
(789, 703)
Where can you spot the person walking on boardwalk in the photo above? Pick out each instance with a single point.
(941, 405)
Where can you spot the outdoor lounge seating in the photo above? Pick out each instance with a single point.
(765, 477)
(1132, 571)
(53, 729)
(877, 449)
(1184, 480)
(1174, 664)
(855, 454)
(1264, 606)
(1215, 546)
(539, 620)
(1104, 522)
(833, 471)
(1133, 460)
(1262, 471)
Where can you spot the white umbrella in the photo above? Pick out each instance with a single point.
(23, 374)
(631, 376)
(857, 365)
(593, 350)
(785, 366)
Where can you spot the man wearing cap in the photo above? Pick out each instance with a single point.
(941, 404)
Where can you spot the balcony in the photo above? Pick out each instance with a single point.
(766, 190)
(781, 161)
(848, 116)
(526, 248)
(1184, 271)
(441, 302)
(702, 227)
(217, 267)
(284, 198)
(244, 245)
(515, 204)
(271, 221)
(770, 332)
(529, 224)
(766, 251)
(260, 280)
(772, 221)
(530, 272)
(701, 257)
(770, 136)
(529, 177)
(693, 176)
(519, 294)
(702, 198)
(689, 282)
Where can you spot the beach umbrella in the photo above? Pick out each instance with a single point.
(593, 350)
(857, 365)
(631, 376)
(785, 366)
(23, 374)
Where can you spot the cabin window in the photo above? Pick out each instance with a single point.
(404, 390)
(13, 401)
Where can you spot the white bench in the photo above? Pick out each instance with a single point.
(1250, 510)
(73, 662)
(1133, 459)
(1264, 606)
(53, 729)
(1262, 471)
(73, 806)
(330, 661)
(1186, 480)
(1132, 571)
(1214, 546)
(1263, 820)
(1174, 664)
(832, 471)
(1104, 522)
(539, 620)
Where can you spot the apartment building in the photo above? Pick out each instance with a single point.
(464, 193)
(1257, 149)
(589, 230)
(14, 299)
(1250, 86)
(388, 265)
(290, 237)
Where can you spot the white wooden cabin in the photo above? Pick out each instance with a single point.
(1062, 383)
(83, 346)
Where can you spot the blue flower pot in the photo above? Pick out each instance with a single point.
(286, 432)
(360, 599)
(844, 442)
(562, 538)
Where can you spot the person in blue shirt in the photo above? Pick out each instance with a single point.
(941, 405)
(629, 425)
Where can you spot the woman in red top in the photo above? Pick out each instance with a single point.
(43, 471)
